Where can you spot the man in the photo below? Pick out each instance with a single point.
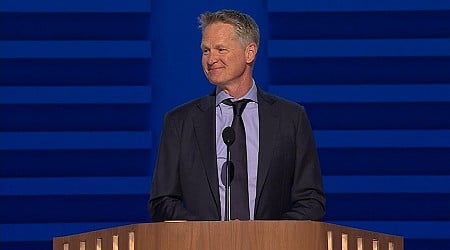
(280, 169)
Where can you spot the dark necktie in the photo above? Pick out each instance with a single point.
(238, 154)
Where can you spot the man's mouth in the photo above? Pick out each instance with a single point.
(215, 68)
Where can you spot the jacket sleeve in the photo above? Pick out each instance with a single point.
(307, 194)
(165, 201)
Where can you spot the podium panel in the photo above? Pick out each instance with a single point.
(232, 235)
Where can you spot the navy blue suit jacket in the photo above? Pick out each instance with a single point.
(289, 183)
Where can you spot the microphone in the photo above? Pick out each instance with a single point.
(228, 137)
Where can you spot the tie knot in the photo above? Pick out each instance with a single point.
(238, 106)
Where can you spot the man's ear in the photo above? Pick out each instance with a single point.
(250, 53)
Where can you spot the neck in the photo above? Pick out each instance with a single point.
(238, 90)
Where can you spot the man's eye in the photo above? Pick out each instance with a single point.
(205, 51)
(222, 50)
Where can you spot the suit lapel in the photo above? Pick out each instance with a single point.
(205, 128)
(268, 124)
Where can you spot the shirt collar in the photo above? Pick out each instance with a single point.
(252, 94)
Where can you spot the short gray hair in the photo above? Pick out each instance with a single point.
(246, 28)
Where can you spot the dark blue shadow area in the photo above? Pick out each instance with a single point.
(74, 163)
(388, 207)
(64, 72)
(27, 245)
(76, 208)
(384, 161)
(367, 70)
(414, 115)
(421, 244)
(74, 26)
(360, 25)
(75, 117)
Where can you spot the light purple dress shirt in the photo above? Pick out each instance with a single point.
(224, 117)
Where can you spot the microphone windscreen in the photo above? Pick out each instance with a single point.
(228, 136)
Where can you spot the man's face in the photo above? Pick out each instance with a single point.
(224, 59)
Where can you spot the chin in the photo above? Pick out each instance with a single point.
(219, 84)
(215, 81)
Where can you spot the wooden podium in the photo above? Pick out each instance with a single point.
(232, 235)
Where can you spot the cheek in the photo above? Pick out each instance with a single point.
(204, 62)
(238, 58)
(237, 62)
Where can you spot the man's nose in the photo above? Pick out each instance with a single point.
(212, 58)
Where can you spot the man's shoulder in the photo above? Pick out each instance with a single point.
(281, 103)
(192, 106)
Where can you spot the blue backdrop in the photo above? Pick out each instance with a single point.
(84, 86)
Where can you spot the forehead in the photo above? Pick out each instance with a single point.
(218, 32)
